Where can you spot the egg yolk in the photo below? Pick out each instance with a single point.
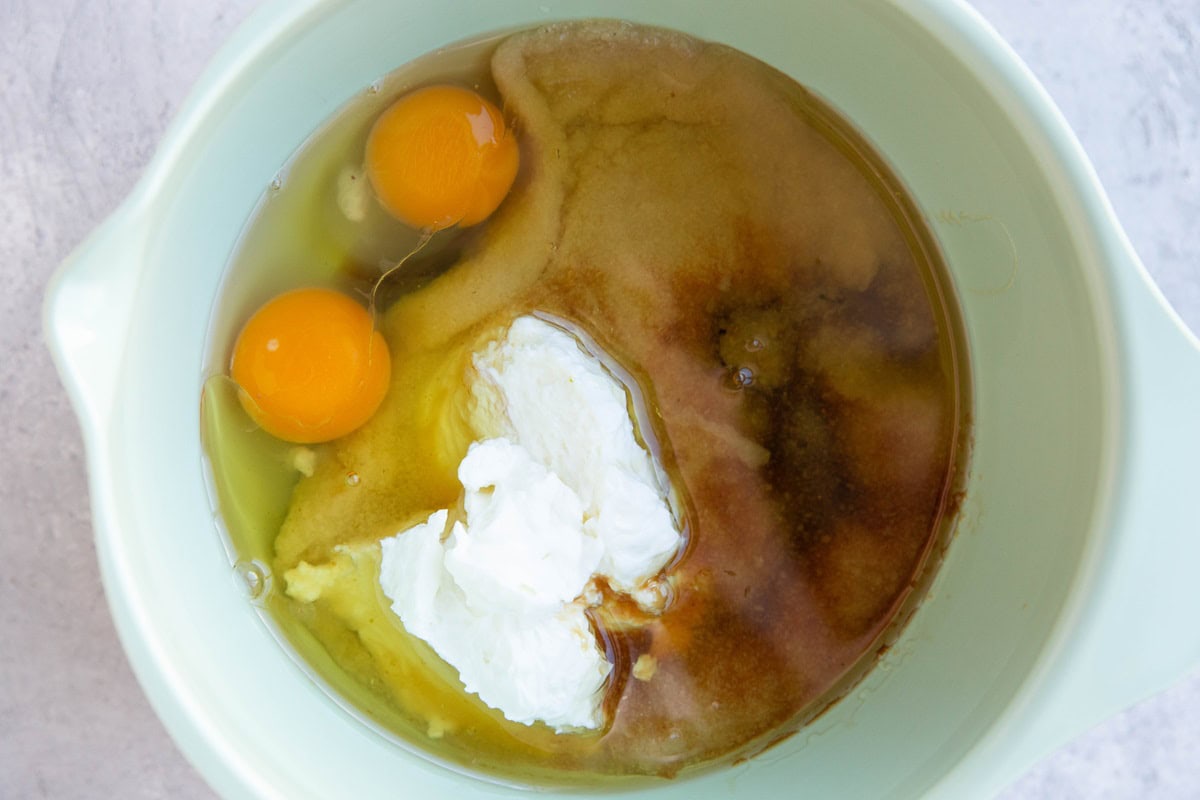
(441, 156)
(310, 366)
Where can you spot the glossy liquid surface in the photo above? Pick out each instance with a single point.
(757, 272)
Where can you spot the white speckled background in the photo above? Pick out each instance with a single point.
(87, 87)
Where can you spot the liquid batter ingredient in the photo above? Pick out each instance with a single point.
(735, 247)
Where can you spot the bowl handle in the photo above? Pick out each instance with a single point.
(1148, 595)
(86, 314)
(1133, 630)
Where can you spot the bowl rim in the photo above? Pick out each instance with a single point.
(955, 23)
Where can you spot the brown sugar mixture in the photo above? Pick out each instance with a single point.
(736, 247)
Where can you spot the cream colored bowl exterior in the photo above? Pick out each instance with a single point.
(1066, 594)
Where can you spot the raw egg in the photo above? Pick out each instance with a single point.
(310, 366)
(441, 156)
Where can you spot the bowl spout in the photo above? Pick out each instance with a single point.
(86, 315)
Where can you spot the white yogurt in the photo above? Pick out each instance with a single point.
(556, 491)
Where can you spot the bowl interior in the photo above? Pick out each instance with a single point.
(941, 111)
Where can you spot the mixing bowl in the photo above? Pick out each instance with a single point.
(1066, 593)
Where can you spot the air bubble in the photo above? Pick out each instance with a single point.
(276, 183)
(754, 345)
(352, 479)
(373, 88)
(254, 577)
(740, 378)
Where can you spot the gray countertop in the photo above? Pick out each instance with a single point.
(88, 87)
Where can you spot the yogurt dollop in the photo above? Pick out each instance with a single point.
(557, 491)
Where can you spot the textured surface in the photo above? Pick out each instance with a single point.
(88, 87)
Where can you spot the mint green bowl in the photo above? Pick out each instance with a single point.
(1067, 593)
